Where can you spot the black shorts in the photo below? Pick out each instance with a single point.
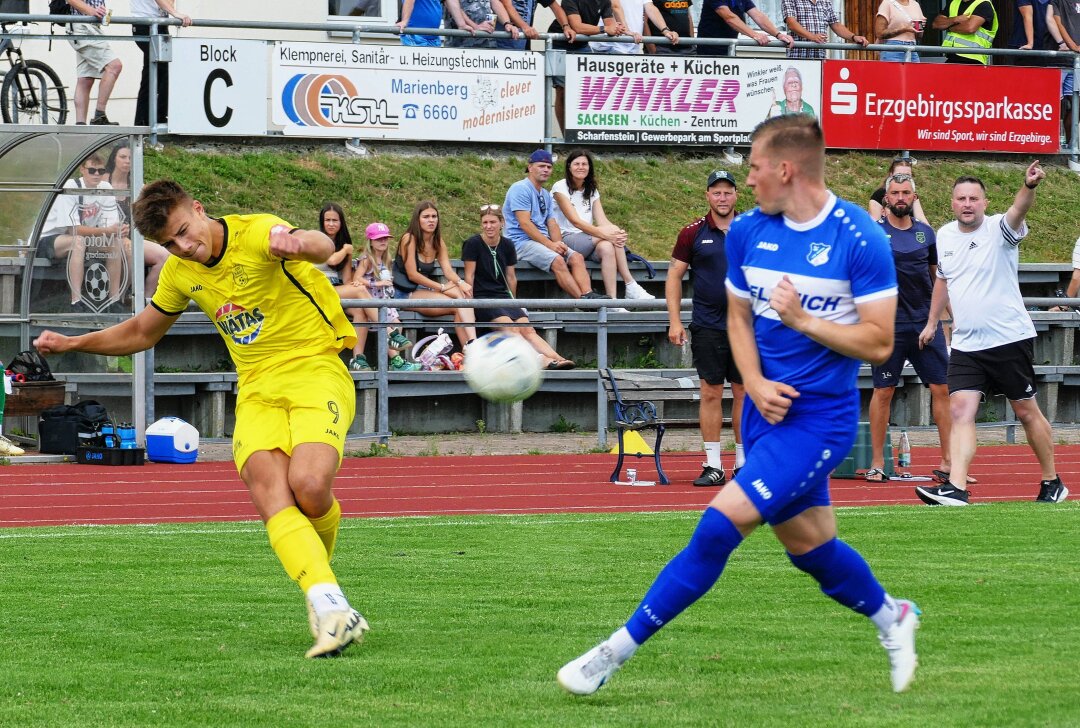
(487, 315)
(46, 247)
(712, 356)
(931, 362)
(1008, 369)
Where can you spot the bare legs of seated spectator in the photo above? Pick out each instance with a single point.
(464, 318)
(71, 249)
(552, 358)
(571, 274)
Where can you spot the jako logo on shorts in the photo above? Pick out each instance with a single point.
(239, 324)
(328, 100)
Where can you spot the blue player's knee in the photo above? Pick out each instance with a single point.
(817, 561)
(715, 536)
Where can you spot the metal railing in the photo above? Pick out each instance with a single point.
(159, 52)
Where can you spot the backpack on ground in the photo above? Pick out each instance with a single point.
(59, 427)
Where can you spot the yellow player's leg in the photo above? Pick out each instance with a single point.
(327, 527)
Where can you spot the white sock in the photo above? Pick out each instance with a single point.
(622, 644)
(326, 598)
(740, 456)
(712, 454)
(886, 616)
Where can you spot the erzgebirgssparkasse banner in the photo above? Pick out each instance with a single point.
(677, 100)
(403, 92)
(941, 107)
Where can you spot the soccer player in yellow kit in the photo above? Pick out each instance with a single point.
(284, 327)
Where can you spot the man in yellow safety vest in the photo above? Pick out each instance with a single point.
(973, 27)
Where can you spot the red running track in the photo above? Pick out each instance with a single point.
(51, 495)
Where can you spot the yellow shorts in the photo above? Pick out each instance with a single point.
(310, 399)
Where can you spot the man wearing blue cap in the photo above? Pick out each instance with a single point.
(529, 210)
(700, 248)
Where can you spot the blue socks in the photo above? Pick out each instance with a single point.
(844, 576)
(688, 576)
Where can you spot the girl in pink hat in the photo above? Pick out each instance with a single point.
(372, 271)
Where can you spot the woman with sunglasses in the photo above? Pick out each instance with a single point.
(420, 250)
(489, 260)
(586, 228)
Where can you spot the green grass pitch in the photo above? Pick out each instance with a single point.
(197, 625)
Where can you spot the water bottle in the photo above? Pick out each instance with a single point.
(108, 434)
(904, 461)
(127, 436)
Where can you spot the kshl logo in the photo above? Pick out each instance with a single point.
(329, 100)
(844, 97)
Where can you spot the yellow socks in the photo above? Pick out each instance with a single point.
(327, 527)
(299, 548)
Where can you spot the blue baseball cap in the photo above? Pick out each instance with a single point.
(541, 156)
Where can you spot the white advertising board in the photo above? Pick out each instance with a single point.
(402, 92)
(682, 100)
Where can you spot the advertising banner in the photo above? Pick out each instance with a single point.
(940, 107)
(218, 86)
(403, 92)
(678, 100)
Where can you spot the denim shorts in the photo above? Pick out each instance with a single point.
(898, 56)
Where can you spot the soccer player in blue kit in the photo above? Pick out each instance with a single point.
(812, 291)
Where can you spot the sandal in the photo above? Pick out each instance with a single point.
(942, 477)
(876, 475)
(565, 364)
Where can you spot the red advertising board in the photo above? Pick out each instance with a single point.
(942, 107)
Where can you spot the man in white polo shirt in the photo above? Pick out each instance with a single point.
(993, 337)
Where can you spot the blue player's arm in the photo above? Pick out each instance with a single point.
(871, 339)
(772, 399)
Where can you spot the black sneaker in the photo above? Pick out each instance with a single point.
(711, 476)
(946, 494)
(102, 120)
(1052, 491)
(590, 295)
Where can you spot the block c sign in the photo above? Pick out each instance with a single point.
(218, 86)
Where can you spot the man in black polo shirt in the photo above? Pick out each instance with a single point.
(700, 248)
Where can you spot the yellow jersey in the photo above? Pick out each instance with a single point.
(267, 309)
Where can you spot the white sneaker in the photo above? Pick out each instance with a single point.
(634, 290)
(338, 630)
(8, 448)
(899, 642)
(586, 674)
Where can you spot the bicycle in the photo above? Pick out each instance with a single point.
(32, 92)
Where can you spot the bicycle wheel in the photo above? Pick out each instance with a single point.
(32, 94)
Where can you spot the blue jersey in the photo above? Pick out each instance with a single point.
(839, 259)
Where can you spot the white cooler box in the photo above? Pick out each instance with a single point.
(171, 440)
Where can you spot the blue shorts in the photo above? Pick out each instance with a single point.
(428, 41)
(1066, 83)
(899, 56)
(931, 363)
(788, 464)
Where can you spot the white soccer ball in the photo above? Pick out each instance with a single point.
(502, 367)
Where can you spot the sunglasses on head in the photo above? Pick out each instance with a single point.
(901, 177)
(96, 170)
(490, 208)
